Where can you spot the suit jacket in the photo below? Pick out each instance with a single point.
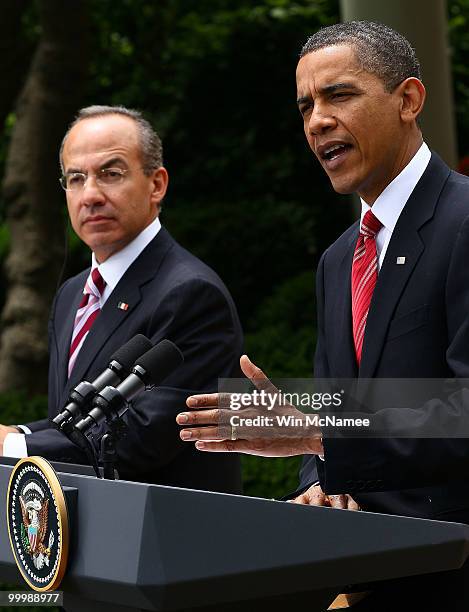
(171, 294)
(417, 327)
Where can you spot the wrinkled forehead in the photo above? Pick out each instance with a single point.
(326, 66)
(97, 137)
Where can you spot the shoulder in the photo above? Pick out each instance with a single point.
(456, 190)
(452, 188)
(67, 294)
(452, 210)
(180, 268)
(340, 246)
(72, 285)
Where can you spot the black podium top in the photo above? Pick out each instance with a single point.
(161, 548)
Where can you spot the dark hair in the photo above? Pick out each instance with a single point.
(379, 49)
(150, 143)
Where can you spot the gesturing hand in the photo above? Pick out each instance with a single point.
(252, 429)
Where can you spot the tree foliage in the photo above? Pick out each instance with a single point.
(217, 79)
(458, 27)
(32, 196)
(245, 194)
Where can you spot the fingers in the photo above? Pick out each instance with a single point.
(250, 370)
(206, 400)
(344, 501)
(256, 375)
(222, 400)
(211, 400)
(314, 496)
(225, 446)
(301, 499)
(204, 417)
(352, 504)
(204, 433)
(337, 501)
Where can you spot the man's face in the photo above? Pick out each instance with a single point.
(108, 217)
(351, 122)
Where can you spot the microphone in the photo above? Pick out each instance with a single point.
(119, 367)
(149, 371)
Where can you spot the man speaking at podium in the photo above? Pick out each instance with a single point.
(140, 281)
(392, 293)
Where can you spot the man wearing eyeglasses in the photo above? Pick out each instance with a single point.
(140, 281)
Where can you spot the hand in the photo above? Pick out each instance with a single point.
(4, 431)
(225, 430)
(315, 496)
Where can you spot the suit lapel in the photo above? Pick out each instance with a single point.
(345, 351)
(392, 279)
(65, 336)
(127, 291)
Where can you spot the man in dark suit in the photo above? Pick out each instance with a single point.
(392, 293)
(141, 281)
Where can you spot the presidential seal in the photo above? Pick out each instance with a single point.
(38, 523)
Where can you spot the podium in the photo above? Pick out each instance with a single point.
(145, 547)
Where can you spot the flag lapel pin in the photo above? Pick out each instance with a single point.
(123, 306)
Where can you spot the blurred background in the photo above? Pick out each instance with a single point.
(217, 80)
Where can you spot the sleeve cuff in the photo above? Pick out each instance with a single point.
(321, 456)
(14, 445)
(24, 429)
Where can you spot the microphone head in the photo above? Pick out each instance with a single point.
(160, 361)
(127, 354)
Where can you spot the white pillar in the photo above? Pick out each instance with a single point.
(424, 24)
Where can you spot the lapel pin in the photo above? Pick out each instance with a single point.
(400, 261)
(123, 306)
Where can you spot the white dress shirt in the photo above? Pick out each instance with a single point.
(390, 203)
(112, 270)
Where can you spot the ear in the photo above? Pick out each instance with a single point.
(159, 185)
(412, 94)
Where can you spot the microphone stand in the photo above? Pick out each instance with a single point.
(111, 403)
(117, 429)
(84, 444)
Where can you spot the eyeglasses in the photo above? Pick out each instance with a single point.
(106, 177)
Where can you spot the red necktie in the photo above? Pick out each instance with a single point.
(364, 276)
(87, 312)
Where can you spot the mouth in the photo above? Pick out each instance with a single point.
(96, 219)
(332, 154)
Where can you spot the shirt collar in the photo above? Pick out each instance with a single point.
(113, 269)
(389, 204)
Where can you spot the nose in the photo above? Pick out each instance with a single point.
(320, 121)
(91, 193)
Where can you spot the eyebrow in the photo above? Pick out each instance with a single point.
(335, 86)
(112, 162)
(303, 99)
(327, 89)
(107, 164)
